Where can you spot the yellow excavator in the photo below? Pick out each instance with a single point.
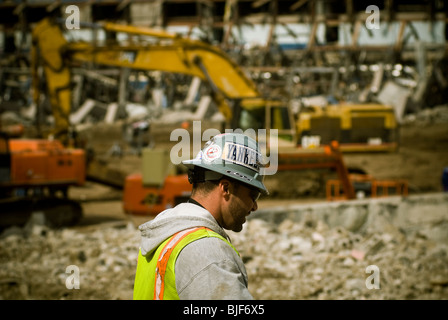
(231, 88)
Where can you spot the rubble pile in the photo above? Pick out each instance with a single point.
(34, 262)
(309, 260)
(289, 260)
(436, 115)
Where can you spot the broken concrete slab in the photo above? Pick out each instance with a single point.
(396, 96)
(392, 214)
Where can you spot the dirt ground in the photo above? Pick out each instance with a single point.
(422, 155)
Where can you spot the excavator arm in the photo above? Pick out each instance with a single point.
(47, 49)
(169, 53)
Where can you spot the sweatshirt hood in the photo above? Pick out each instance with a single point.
(167, 223)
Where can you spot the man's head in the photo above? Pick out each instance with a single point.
(226, 178)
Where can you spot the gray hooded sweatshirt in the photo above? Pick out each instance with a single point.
(206, 269)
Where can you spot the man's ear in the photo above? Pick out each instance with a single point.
(225, 186)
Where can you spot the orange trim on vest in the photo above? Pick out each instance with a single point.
(162, 262)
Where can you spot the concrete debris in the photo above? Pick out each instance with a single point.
(282, 265)
(395, 95)
(136, 111)
(285, 257)
(310, 252)
(436, 115)
(36, 263)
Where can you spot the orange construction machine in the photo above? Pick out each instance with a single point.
(160, 185)
(35, 176)
(348, 185)
(366, 186)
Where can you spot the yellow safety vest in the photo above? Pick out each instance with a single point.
(155, 278)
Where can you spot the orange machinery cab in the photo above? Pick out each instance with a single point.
(159, 186)
(151, 200)
(39, 162)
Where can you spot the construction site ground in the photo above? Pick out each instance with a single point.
(318, 262)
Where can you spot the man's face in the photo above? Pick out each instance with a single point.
(241, 203)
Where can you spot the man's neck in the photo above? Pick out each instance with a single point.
(191, 200)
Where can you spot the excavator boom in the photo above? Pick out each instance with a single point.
(170, 53)
(48, 44)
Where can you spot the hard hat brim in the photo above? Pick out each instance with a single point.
(250, 180)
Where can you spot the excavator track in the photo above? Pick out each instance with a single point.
(58, 212)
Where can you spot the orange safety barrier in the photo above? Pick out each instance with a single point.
(400, 186)
(378, 188)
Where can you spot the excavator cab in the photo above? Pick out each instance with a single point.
(269, 114)
(279, 116)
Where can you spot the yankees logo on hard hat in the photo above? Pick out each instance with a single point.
(234, 155)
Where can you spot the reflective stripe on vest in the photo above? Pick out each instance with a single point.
(155, 278)
(162, 262)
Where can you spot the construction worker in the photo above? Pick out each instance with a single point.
(185, 252)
